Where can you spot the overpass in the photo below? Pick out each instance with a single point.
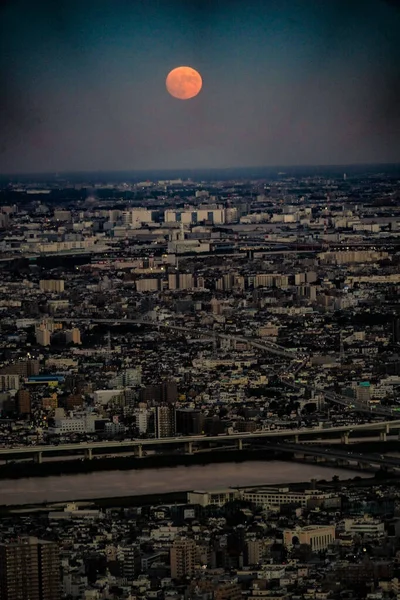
(337, 454)
(88, 449)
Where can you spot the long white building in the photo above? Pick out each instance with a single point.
(215, 215)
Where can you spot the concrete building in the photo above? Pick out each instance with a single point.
(85, 423)
(142, 419)
(185, 281)
(352, 256)
(148, 285)
(363, 392)
(23, 402)
(254, 552)
(228, 590)
(189, 421)
(30, 569)
(182, 558)
(319, 537)
(43, 335)
(51, 285)
(73, 336)
(173, 281)
(127, 378)
(63, 215)
(165, 421)
(217, 497)
(136, 216)
(211, 214)
(9, 382)
(23, 368)
(104, 396)
(130, 561)
(364, 527)
(271, 497)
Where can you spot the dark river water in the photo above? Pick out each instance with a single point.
(154, 481)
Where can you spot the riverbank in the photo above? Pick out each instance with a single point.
(22, 470)
(180, 497)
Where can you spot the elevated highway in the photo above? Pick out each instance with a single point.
(382, 429)
(337, 454)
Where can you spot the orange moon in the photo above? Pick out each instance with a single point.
(184, 83)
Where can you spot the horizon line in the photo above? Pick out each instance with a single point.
(61, 173)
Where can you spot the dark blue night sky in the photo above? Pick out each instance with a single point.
(285, 82)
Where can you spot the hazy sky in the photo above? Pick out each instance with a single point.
(285, 82)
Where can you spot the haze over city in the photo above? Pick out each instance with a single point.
(284, 83)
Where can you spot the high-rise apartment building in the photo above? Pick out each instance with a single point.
(211, 214)
(180, 281)
(29, 570)
(23, 368)
(142, 419)
(51, 285)
(73, 336)
(182, 558)
(9, 382)
(186, 281)
(130, 562)
(165, 421)
(254, 552)
(173, 281)
(148, 285)
(23, 402)
(189, 421)
(43, 336)
(363, 392)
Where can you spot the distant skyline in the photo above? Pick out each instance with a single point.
(288, 82)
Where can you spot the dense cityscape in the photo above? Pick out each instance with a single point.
(201, 321)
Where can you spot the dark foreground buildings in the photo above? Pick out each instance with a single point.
(29, 570)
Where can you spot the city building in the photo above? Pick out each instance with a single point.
(23, 368)
(189, 421)
(164, 421)
(29, 570)
(183, 558)
(51, 285)
(43, 335)
(73, 336)
(23, 402)
(318, 537)
(9, 382)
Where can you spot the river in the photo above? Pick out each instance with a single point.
(157, 481)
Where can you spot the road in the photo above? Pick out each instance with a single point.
(372, 459)
(384, 426)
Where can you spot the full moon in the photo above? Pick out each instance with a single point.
(184, 83)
